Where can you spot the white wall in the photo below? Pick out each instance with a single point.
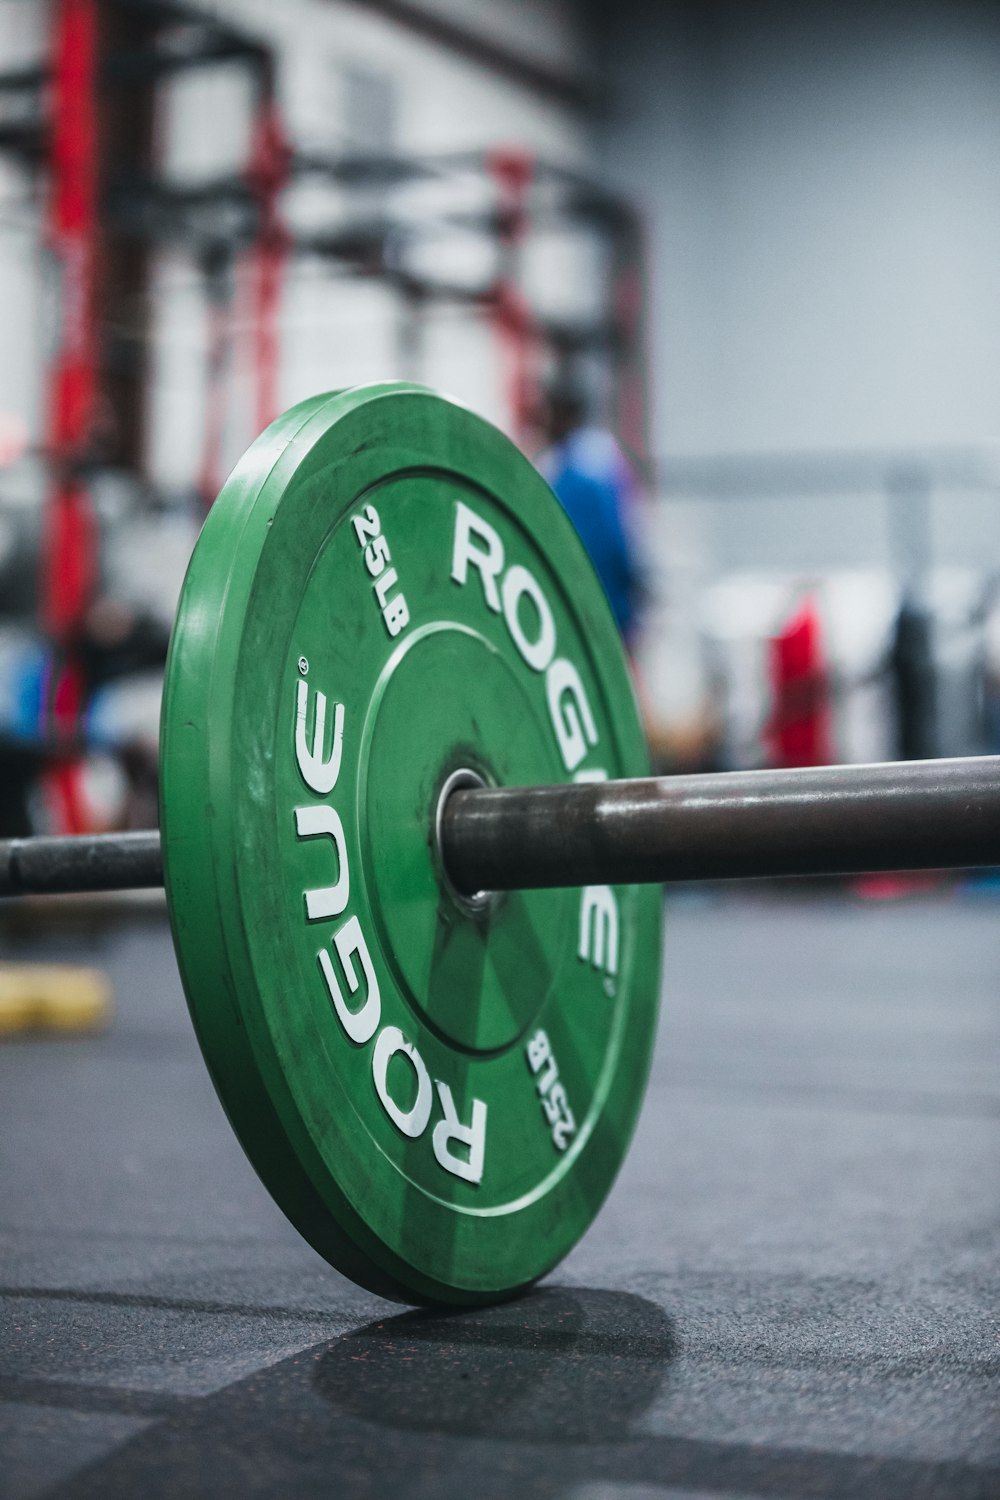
(549, 32)
(820, 182)
(25, 290)
(822, 188)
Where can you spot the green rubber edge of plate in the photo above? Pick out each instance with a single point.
(196, 689)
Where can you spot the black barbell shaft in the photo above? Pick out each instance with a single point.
(829, 820)
(80, 862)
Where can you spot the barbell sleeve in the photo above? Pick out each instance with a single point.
(731, 825)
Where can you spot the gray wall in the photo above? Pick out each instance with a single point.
(822, 190)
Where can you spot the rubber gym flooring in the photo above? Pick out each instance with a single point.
(792, 1291)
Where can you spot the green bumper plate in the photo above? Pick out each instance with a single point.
(438, 1093)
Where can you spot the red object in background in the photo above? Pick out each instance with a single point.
(513, 319)
(268, 173)
(73, 218)
(69, 563)
(799, 731)
(69, 555)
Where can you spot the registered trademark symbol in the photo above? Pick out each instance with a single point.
(303, 665)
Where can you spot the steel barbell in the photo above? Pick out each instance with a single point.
(733, 825)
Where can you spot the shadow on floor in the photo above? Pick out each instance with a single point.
(539, 1397)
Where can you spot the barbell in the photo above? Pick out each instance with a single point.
(411, 847)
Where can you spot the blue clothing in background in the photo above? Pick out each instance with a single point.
(595, 485)
(25, 665)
